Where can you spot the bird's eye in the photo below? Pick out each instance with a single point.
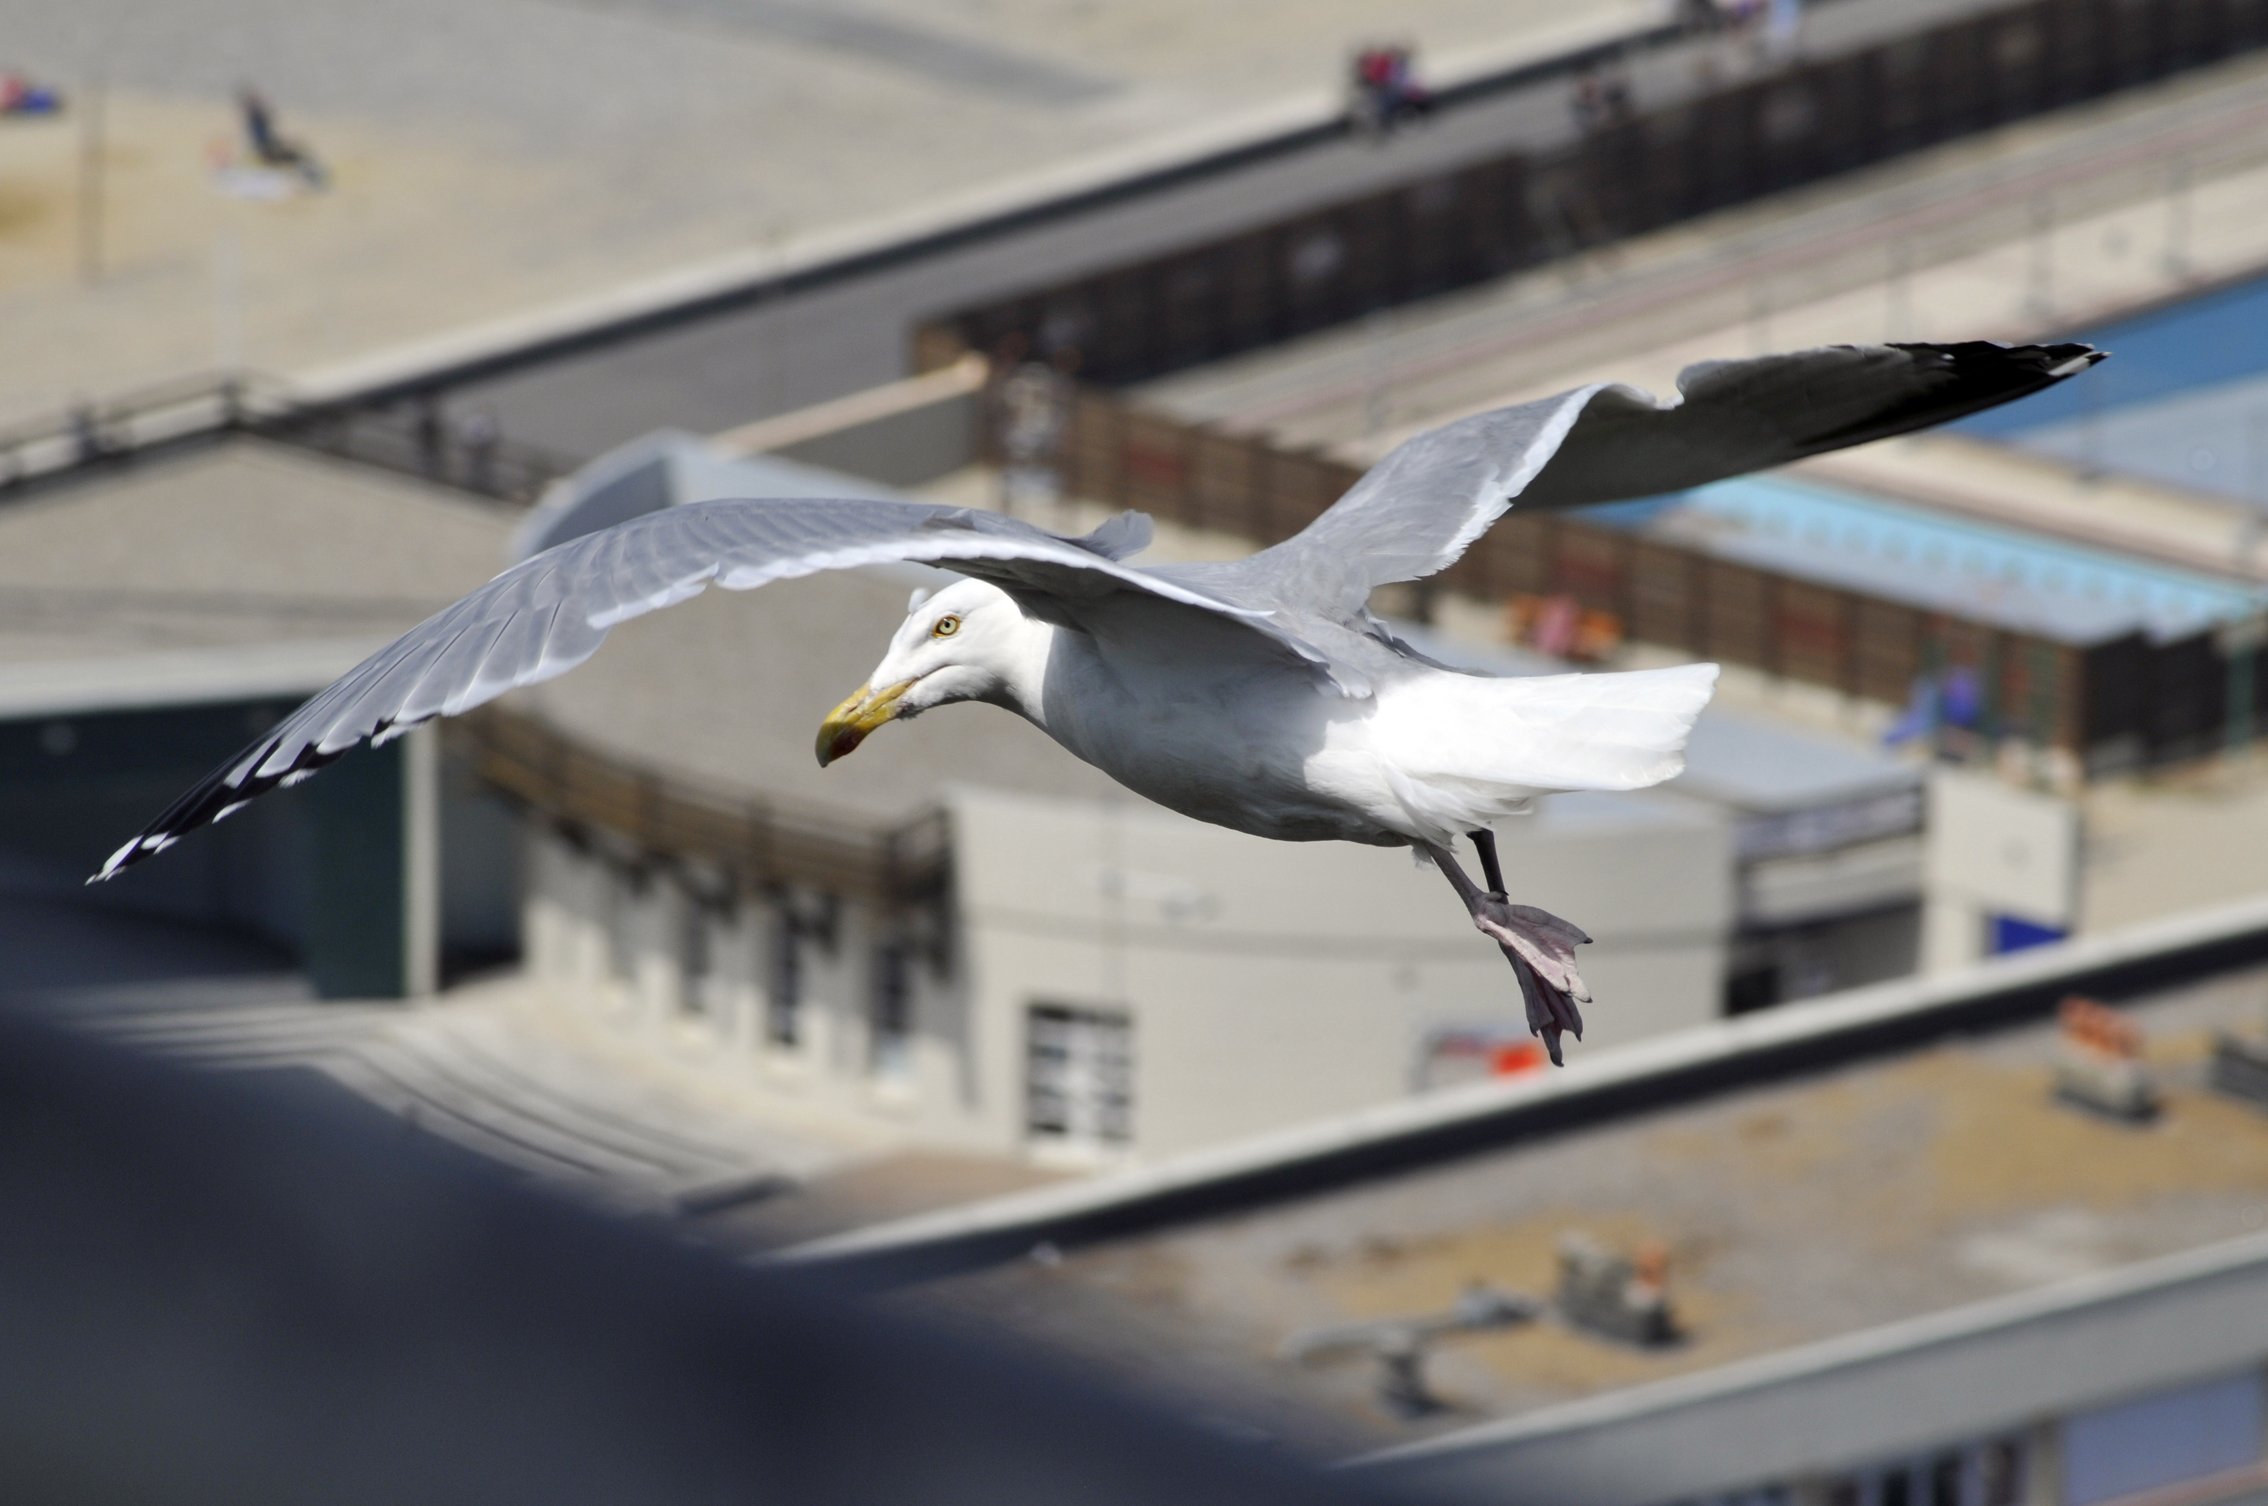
(947, 626)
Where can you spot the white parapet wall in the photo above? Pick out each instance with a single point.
(1993, 850)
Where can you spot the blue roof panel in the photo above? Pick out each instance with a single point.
(2209, 340)
(2013, 579)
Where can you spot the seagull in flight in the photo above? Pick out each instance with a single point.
(1259, 694)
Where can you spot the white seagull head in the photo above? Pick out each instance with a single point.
(968, 642)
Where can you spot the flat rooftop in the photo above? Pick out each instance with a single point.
(247, 570)
(2210, 439)
(2190, 345)
(176, 575)
(1915, 1182)
(2016, 579)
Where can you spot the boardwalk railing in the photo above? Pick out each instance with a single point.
(414, 438)
(413, 435)
(1793, 125)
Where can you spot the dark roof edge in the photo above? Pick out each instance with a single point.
(1414, 1133)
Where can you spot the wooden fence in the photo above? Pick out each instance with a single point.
(2113, 704)
(1460, 227)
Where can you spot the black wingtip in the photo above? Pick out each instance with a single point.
(1985, 374)
(219, 795)
(1963, 377)
(144, 844)
(1990, 357)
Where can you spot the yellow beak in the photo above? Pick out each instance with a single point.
(848, 724)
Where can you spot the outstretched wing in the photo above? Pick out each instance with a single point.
(1422, 506)
(549, 613)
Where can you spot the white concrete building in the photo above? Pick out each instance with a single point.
(1095, 978)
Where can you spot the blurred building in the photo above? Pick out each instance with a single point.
(165, 609)
(2185, 403)
(1892, 1249)
(966, 938)
(986, 943)
(1229, 391)
(960, 937)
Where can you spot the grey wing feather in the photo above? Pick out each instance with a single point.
(1424, 504)
(548, 614)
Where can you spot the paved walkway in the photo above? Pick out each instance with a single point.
(491, 159)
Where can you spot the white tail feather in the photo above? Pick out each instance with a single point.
(1464, 750)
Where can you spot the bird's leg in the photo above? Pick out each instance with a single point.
(1484, 843)
(1544, 931)
(1539, 945)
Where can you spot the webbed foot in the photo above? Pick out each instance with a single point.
(1541, 948)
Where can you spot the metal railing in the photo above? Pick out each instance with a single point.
(412, 436)
(90, 432)
(415, 437)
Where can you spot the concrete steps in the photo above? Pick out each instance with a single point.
(489, 1077)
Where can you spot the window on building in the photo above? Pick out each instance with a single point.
(1945, 1478)
(1079, 1076)
(1982, 1472)
(783, 992)
(625, 897)
(696, 959)
(1767, 1495)
(2000, 1472)
(889, 1018)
